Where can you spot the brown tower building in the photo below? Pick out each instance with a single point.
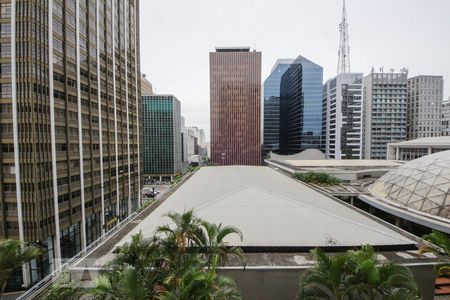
(69, 111)
(235, 92)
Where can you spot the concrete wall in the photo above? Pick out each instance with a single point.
(283, 284)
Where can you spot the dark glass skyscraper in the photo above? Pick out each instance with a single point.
(301, 107)
(161, 123)
(272, 105)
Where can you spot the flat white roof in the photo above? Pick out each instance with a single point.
(271, 210)
(343, 163)
(424, 142)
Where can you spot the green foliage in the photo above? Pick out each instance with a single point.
(357, 275)
(178, 262)
(63, 288)
(441, 246)
(319, 178)
(14, 254)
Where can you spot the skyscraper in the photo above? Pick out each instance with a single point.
(384, 101)
(70, 97)
(343, 116)
(424, 109)
(445, 119)
(272, 105)
(301, 91)
(162, 138)
(235, 92)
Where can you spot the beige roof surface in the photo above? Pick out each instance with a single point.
(343, 163)
(270, 209)
(428, 141)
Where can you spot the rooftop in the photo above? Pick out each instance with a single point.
(232, 49)
(425, 142)
(272, 211)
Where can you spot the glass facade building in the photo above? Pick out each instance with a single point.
(272, 106)
(70, 136)
(301, 91)
(162, 139)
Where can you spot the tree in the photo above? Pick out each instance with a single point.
(356, 275)
(319, 178)
(441, 245)
(125, 284)
(212, 242)
(63, 288)
(178, 262)
(14, 254)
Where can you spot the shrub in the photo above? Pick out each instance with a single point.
(319, 178)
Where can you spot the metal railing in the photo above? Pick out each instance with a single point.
(43, 284)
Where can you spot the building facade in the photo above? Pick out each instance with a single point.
(70, 100)
(146, 86)
(424, 109)
(271, 136)
(445, 119)
(413, 149)
(342, 116)
(235, 95)
(384, 105)
(301, 90)
(162, 138)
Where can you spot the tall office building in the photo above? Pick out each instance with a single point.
(384, 105)
(162, 138)
(301, 91)
(70, 97)
(146, 86)
(272, 105)
(235, 92)
(424, 106)
(445, 118)
(342, 111)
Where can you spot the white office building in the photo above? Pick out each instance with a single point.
(342, 116)
(384, 98)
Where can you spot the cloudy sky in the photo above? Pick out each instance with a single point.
(176, 36)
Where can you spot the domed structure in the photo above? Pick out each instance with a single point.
(421, 185)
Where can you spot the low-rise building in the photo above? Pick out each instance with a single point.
(409, 150)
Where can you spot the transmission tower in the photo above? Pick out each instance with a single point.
(344, 47)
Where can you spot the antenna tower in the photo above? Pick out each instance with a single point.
(344, 47)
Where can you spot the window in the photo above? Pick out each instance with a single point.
(5, 90)
(5, 30)
(5, 50)
(5, 70)
(5, 10)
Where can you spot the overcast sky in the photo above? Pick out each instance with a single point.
(176, 36)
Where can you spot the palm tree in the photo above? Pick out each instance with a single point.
(212, 242)
(201, 285)
(184, 232)
(441, 245)
(357, 275)
(63, 288)
(14, 254)
(122, 285)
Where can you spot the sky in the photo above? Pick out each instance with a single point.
(177, 35)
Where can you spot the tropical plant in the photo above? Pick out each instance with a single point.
(63, 288)
(440, 245)
(178, 262)
(319, 178)
(14, 254)
(356, 275)
(212, 240)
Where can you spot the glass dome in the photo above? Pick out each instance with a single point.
(422, 184)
